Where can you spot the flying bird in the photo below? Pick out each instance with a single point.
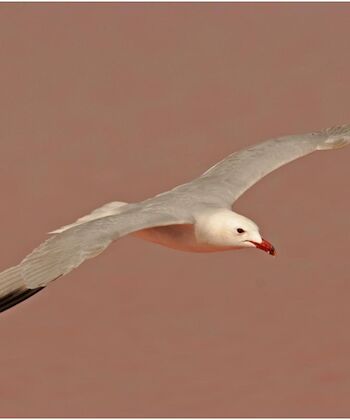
(196, 216)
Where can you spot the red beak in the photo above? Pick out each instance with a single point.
(265, 246)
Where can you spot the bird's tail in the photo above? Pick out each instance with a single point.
(335, 137)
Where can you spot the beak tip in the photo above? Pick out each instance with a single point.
(266, 246)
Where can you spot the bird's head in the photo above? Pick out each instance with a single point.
(227, 229)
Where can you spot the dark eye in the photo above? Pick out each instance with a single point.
(240, 230)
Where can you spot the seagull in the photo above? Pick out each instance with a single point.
(196, 216)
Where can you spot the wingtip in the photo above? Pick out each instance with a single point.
(337, 143)
(17, 296)
(336, 137)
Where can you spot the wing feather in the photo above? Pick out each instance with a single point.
(226, 181)
(65, 251)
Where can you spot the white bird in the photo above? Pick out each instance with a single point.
(196, 216)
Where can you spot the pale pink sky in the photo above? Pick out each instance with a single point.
(103, 102)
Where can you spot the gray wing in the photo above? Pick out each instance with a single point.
(226, 181)
(65, 251)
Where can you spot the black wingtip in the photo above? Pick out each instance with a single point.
(17, 296)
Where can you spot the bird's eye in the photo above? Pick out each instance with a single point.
(240, 230)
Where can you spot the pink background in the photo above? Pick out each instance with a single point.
(121, 101)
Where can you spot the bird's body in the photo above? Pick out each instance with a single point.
(202, 236)
(193, 217)
(179, 237)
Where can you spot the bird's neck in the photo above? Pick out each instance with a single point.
(211, 227)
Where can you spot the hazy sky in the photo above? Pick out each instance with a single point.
(121, 101)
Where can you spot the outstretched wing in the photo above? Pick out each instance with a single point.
(226, 181)
(65, 251)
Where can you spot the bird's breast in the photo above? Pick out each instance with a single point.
(180, 237)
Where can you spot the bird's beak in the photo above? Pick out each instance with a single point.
(265, 246)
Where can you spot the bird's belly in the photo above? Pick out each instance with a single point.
(180, 237)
